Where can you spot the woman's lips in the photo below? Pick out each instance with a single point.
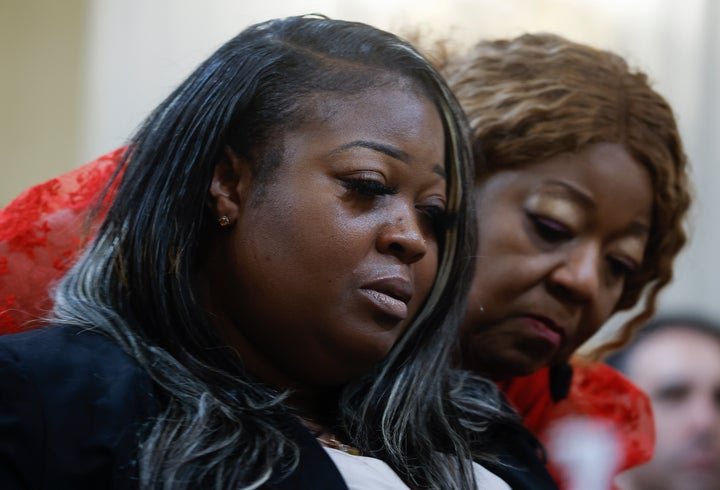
(389, 296)
(545, 329)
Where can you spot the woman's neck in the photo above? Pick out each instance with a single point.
(317, 406)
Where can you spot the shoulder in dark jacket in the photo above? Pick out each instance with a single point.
(72, 406)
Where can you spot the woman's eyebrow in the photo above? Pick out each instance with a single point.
(386, 149)
(636, 228)
(576, 194)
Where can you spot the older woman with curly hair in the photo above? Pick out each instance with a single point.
(582, 190)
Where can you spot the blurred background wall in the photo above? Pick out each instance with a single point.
(79, 75)
(42, 85)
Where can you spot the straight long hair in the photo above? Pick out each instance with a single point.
(218, 427)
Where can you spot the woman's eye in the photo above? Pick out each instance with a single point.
(437, 216)
(369, 187)
(620, 267)
(550, 230)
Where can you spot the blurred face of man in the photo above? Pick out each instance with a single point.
(680, 370)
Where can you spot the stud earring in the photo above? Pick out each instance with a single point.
(482, 309)
(223, 221)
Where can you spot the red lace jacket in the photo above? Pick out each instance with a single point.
(41, 234)
(44, 229)
(596, 391)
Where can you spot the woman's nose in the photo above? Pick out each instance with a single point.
(403, 236)
(577, 275)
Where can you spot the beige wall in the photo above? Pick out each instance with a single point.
(41, 51)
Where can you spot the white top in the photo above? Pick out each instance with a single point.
(364, 473)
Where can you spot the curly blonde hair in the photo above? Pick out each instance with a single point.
(538, 95)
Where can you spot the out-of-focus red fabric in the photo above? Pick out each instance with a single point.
(597, 391)
(42, 232)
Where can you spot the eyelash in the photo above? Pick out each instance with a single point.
(553, 232)
(369, 188)
(620, 267)
(436, 215)
(550, 230)
(438, 218)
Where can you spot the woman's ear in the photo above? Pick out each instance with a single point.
(230, 186)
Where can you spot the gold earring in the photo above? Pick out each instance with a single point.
(223, 221)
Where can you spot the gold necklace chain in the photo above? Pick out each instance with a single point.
(329, 440)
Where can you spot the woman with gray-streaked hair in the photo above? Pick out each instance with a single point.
(283, 265)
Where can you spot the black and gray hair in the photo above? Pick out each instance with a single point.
(135, 283)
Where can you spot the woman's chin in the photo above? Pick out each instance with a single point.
(515, 366)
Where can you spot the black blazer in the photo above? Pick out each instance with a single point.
(72, 405)
(521, 465)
